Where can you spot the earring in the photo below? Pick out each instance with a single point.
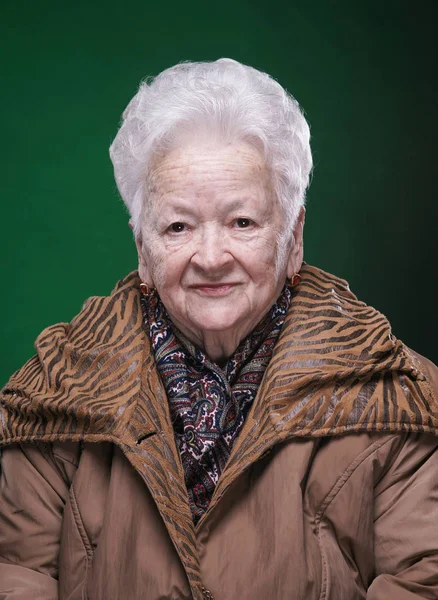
(146, 290)
(295, 280)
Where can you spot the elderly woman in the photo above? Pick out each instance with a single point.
(229, 423)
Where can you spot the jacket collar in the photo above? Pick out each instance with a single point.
(336, 368)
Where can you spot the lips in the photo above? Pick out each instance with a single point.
(214, 288)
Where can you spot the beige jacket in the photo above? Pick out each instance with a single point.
(331, 490)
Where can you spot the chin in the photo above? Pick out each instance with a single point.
(208, 321)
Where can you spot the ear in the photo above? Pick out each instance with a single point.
(143, 268)
(296, 251)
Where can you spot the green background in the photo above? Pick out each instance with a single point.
(365, 73)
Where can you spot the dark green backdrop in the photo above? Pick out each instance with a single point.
(365, 72)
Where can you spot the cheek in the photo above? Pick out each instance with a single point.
(268, 263)
(262, 253)
(155, 261)
(167, 265)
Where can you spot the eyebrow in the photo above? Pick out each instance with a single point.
(236, 204)
(183, 209)
(180, 209)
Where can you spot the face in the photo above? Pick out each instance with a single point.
(211, 236)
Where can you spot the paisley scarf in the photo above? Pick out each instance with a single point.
(209, 404)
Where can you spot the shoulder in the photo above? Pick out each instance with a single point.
(338, 368)
(101, 319)
(381, 453)
(98, 355)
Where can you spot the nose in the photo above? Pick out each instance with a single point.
(212, 253)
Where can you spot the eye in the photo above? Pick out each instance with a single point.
(177, 227)
(243, 223)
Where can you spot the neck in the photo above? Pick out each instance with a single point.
(219, 346)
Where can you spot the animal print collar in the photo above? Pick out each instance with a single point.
(336, 368)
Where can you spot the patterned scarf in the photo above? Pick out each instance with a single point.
(209, 404)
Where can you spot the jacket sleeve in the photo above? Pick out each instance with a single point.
(34, 486)
(406, 524)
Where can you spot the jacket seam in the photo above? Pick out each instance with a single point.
(346, 474)
(77, 518)
(80, 526)
(330, 497)
(63, 459)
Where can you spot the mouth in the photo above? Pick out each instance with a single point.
(213, 289)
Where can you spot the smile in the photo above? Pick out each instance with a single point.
(214, 289)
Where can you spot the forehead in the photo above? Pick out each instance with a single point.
(199, 167)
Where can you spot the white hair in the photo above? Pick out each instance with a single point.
(232, 102)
